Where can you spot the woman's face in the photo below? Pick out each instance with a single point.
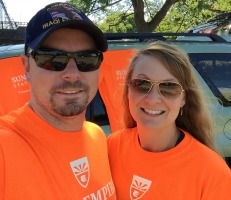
(152, 110)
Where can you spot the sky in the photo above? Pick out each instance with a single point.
(24, 10)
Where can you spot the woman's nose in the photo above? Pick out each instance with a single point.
(154, 94)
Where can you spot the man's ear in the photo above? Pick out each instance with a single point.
(26, 65)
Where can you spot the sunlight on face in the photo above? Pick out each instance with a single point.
(67, 92)
(152, 109)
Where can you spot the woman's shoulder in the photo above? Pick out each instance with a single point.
(119, 141)
(205, 156)
(122, 134)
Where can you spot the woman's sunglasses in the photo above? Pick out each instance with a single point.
(56, 60)
(169, 90)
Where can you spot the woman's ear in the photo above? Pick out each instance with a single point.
(26, 65)
(183, 100)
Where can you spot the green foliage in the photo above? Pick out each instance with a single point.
(151, 8)
(83, 5)
(190, 13)
(185, 15)
(222, 5)
(117, 15)
(118, 22)
(89, 6)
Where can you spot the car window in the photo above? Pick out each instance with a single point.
(215, 69)
(96, 111)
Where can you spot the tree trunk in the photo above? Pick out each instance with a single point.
(141, 24)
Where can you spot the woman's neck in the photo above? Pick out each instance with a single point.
(158, 140)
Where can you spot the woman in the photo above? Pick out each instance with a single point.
(166, 150)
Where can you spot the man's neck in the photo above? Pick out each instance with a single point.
(62, 123)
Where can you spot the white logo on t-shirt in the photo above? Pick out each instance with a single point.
(139, 187)
(81, 171)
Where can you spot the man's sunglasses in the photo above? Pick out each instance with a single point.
(56, 60)
(169, 90)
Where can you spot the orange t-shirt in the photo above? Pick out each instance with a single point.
(38, 161)
(112, 78)
(14, 90)
(189, 171)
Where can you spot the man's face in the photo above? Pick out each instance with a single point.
(63, 93)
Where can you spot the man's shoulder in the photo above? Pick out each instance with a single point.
(93, 129)
(91, 125)
(6, 122)
(10, 121)
(8, 134)
(13, 114)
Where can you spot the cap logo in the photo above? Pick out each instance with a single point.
(62, 12)
(139, 187)
(81, 171)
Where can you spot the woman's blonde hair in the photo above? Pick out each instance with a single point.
(196, 118)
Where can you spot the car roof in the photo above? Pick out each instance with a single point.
(11, 50)
(190, 42)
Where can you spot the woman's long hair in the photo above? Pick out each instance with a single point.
(196, 118)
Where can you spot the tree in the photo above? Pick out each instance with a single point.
(186, 14)
(149, 15)
(139, 16)
(135, 7)
(117, 22)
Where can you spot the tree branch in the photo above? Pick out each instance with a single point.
(106, 5)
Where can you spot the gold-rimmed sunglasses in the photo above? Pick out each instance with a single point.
(167, 89)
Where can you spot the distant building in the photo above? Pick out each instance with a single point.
(9, 35)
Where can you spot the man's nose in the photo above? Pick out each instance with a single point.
(71, 71)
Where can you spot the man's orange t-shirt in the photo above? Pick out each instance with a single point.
(14, 89)
(40, 162)
(189, 171)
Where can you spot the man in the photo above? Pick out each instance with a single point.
(47, 150)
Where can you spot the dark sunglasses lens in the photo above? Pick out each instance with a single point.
(170, 90)
(50, 61)
(88, 61)
(53, 61)
(141, 86)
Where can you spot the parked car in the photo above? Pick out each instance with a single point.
(210, 55)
